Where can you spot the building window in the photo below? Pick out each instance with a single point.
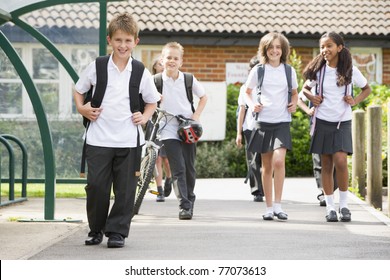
(368, 60)
(46, 78)
(10, 87)
(147, 54)
(81, 58)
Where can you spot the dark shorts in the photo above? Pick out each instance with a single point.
(328, 139)
(267, 137)
(161, 152)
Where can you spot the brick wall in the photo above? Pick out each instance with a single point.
(386, 66)
(208, 63)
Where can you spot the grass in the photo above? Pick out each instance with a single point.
(38, 190)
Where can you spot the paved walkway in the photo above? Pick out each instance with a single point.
(227, 225)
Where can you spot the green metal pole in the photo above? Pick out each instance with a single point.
(103, 28)
(11, 168)
(24, 161)
(47, 143)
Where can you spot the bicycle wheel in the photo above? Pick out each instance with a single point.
(147, 167)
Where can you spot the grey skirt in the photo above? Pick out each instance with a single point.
(267, 137)
(328, 139)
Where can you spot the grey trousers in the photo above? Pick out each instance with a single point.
(181, 157)
(110, 167)
(255, 181)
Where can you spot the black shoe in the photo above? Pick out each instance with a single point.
(115, 240)
(281, 215)
(268, 216)
(167, 187)
(345, 215)
(258, 198)
(185, 214)
(332, 216)
(160, 196)
(321, 198)
(95, 238)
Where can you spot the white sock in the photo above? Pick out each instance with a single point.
(269, 210)
(277, 208)
(329, 203)
(343, 199)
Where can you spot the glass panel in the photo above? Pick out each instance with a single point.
(45, 65)
(49, 97)
(10, 98)
(7, 70)
(366, 64)
(148, 57)
(81, 58)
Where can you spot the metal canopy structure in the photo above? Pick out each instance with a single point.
(10, 11)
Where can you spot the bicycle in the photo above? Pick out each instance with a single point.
(148, 168)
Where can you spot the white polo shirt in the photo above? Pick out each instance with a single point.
(333, 107)
(274, 92)
(114, 127)
(175, 101)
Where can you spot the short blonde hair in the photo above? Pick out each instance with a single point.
(125, 23)
(173, 45)
(265, 43)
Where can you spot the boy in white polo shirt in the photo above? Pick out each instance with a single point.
(113, 136)
(174, 99)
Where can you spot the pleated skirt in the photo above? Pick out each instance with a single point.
(329, 139)
(267, 137)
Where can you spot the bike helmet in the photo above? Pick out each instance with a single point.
(190, 131)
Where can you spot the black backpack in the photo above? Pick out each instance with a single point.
(136, 102)
(188, 82)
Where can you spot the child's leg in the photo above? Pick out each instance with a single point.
(189, 153)
(178, 169)
(341, 165)
(327, 180)
(159, 171)
(266, 160)
(278, 163)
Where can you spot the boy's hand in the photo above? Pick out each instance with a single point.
(89, 112)
(138, 118)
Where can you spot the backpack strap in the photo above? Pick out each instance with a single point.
(260, 79)
(96, 98)
(319, 91)
(287, 67)
(188, 82)
(158, 82)
(136, 101)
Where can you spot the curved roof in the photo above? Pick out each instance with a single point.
(353, 17)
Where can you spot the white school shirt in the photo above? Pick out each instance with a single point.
(248, 121)
(274, 92)
(333, 107)
(175, 101)
(114, 127)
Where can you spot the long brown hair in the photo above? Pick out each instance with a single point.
(344, 64)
